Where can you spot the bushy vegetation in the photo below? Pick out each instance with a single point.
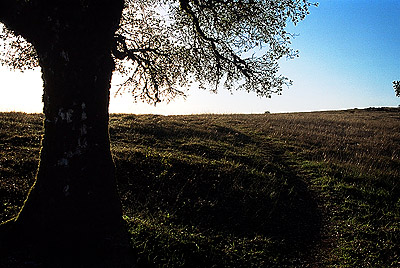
(272, 190)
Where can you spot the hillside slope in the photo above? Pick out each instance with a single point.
(276, 190)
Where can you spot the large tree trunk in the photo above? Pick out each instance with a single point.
(74, 202)
(75, 192)
(73, 206)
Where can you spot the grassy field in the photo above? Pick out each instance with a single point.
(273, 190)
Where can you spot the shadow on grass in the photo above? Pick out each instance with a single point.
(21, 250)
(210, 187)
(197, 196)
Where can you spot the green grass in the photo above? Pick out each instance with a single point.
(274, 190)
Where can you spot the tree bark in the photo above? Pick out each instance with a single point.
(75, 186)
(74, 205)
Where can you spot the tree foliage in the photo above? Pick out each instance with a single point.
(16, 52)
(162, 46)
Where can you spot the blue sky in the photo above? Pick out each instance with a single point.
(349, 56)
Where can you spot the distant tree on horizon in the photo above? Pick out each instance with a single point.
(160, 46)
(396, 86)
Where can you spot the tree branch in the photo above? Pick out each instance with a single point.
(238, 62)
(11, 13)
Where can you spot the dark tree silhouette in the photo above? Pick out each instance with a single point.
(159, 46)
(396, 86)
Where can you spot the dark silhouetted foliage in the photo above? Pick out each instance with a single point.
(396, 86)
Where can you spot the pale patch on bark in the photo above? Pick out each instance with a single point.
(64, 55)
(63, 162)
(83, 130)
(84, 116)
(82, 143)
(65, 115)
(66, 190)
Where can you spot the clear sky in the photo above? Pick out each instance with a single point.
(349, 56)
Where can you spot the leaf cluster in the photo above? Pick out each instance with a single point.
(16, 52)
